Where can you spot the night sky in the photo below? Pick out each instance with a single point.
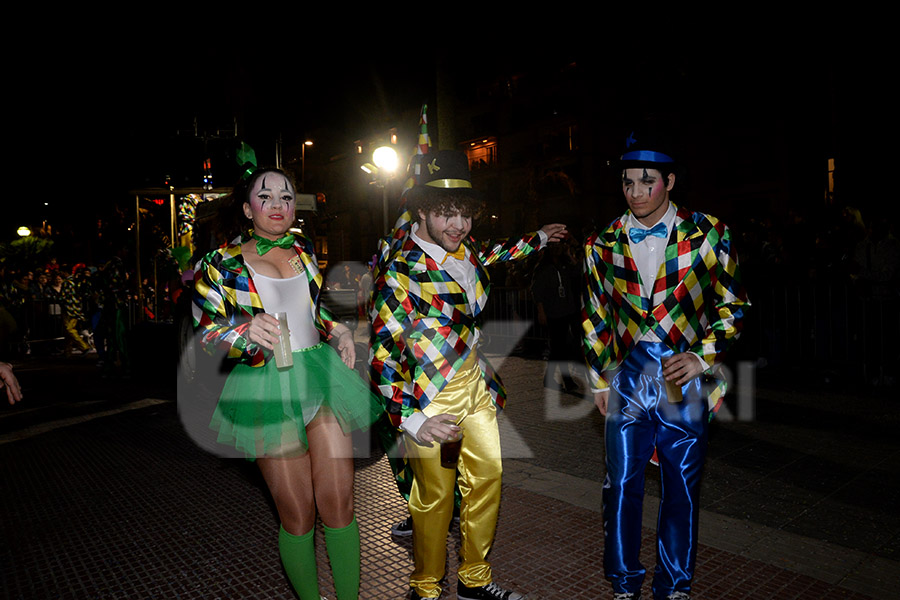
(91, 122)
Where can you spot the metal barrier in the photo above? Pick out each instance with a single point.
(43, 321)
(40, 327)
(511, 315)
(830, 329)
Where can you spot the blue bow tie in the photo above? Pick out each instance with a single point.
(637, 234)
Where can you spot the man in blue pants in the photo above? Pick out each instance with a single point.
(663, 301)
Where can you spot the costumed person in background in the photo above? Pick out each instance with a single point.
(114, 298)
(73, 311)
(556, 289)
(427, 365)
(663, 302)
(295, 422)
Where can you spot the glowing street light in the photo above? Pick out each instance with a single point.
(303, 164)
(387, 161)
(23, 231)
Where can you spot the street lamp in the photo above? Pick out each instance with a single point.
(303, 164)
(386, 159)
(23, 231)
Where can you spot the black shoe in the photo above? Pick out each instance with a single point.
(414, 595)
(491, 591)
(403, 528)
(626, 596)
(678, 596)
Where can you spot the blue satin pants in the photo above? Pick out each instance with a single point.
(639, 419)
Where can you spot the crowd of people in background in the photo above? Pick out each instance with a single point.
(82, 309)
(69, 310)
(841, 246)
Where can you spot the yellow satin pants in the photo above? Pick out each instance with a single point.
(431, 497)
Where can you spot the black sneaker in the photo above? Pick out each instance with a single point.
(626, 596)
(678, 596)
(414, 595)
(491, 591)
(403, 528)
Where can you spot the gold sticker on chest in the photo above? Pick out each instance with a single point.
(296, 265)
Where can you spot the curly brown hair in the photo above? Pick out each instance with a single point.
(445, 202)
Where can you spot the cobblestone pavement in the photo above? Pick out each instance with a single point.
(104, 495)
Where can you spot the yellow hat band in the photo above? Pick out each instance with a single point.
(450, 183)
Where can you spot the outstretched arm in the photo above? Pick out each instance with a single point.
(490, 252)
(555, 232)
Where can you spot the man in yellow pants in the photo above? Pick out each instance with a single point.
(434, 380)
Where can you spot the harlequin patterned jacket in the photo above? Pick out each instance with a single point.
(225, 300)
(423, 324)
(697, 303)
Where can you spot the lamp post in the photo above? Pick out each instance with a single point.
(386, 159)
(303, 164)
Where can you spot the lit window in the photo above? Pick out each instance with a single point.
(482, 153)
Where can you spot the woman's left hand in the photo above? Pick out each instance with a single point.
(347, 348)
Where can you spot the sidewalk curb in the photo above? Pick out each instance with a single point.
(850, 569)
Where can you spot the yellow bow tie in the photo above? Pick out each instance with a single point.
(460, 254)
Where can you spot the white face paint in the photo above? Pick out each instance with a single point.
(647, 194)
(271, 205)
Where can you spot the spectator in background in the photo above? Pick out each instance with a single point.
(556, 288)
(73, 313)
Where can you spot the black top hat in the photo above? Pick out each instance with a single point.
(446, 170)
(445, 177)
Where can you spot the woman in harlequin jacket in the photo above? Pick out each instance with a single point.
(294, 422)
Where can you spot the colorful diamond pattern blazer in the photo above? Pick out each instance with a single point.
(697, 302)
(424, 323)
(226, 300)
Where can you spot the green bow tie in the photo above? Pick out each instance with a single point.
(263, 245)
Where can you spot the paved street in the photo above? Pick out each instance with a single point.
(105, 495)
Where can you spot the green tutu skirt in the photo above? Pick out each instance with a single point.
(263, 411)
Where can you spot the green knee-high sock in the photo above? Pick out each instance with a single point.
(298, 554)
(343, 552)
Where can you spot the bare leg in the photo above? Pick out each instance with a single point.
(321, 477)
(290, 482)
(331, 458)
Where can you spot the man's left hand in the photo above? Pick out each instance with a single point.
(681, 368)
(556, 232)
